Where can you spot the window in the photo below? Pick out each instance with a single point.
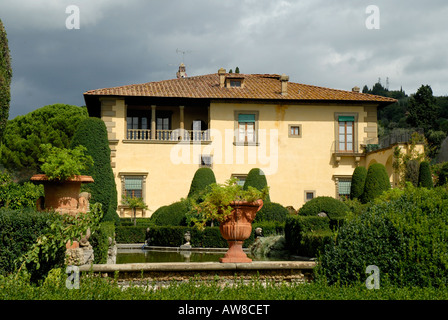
(235, 83)
(241, 178)
(163, 127)
(345, 132)
(246, 128)
(206, 161)
(133, 186)
(309, 195)
(295, 131)
(137, 122)
(344, 186)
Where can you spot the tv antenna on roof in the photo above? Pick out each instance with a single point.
(183, 53)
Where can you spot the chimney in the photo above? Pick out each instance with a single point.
(181, 73)
(284, 80)
(222, 77)
(355, 89)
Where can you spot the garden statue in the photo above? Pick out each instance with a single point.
(187, 238)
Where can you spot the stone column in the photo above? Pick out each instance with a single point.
(153, 122)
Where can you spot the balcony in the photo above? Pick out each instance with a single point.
(340, 149)
(167, 136)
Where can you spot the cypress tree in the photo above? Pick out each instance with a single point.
(92, 134)
(424, 176)
(358, 182)
(202, 178)
(5, 79)
(257, 179)
(377, 181)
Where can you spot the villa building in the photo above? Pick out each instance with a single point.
(306, 139)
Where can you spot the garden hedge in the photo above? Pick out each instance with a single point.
(335, 209)
(173, 236)
(272, 211)
(404, 236)
(171, 215)
(19, 230)
(307, 235)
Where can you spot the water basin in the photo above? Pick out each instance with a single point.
(166, 254)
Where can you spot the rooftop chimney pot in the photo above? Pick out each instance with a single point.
(284, 80)
(222, 77)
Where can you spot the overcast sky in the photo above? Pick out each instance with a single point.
(318, 42)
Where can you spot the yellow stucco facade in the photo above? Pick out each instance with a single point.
(307, 140)
(294, 164)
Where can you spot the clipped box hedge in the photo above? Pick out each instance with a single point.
(307, 235)
(173, 236)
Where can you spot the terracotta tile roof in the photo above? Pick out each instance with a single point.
(256, 86)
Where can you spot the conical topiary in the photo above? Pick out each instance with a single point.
(424, 176)
(202, 178)
(257, 179)
(377, 181)
(358, 182)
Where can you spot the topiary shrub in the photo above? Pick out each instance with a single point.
(202, 178)
(171, 215)
(335, 209)
(412, 172)
(92, 134)
(424, 175)
(358, 182)
(257, 179)
(377, 181)
(405, 237)
(272, 211)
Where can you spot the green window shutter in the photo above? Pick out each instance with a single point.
(346, 118)
(246, 118)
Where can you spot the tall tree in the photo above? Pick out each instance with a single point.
(423, 110)
(92, 134)
(5, 79)
(54, 124)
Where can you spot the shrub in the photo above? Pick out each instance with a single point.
(171, 215)
(92, 134)
(257, 179)
(424, 176)
(443, 175)
(358, 182)
(307, 235)
(130, 234)
(405, 237)
(412, 172)
(17, 196)
(335, 209)
(18, 232)
(100, 241)
(272, 211)
(202, 178)
(377, 182)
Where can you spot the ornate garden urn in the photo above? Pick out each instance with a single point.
(62, 196)
(237, 227)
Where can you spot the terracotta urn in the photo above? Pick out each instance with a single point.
(61, 195)
(237, 227)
